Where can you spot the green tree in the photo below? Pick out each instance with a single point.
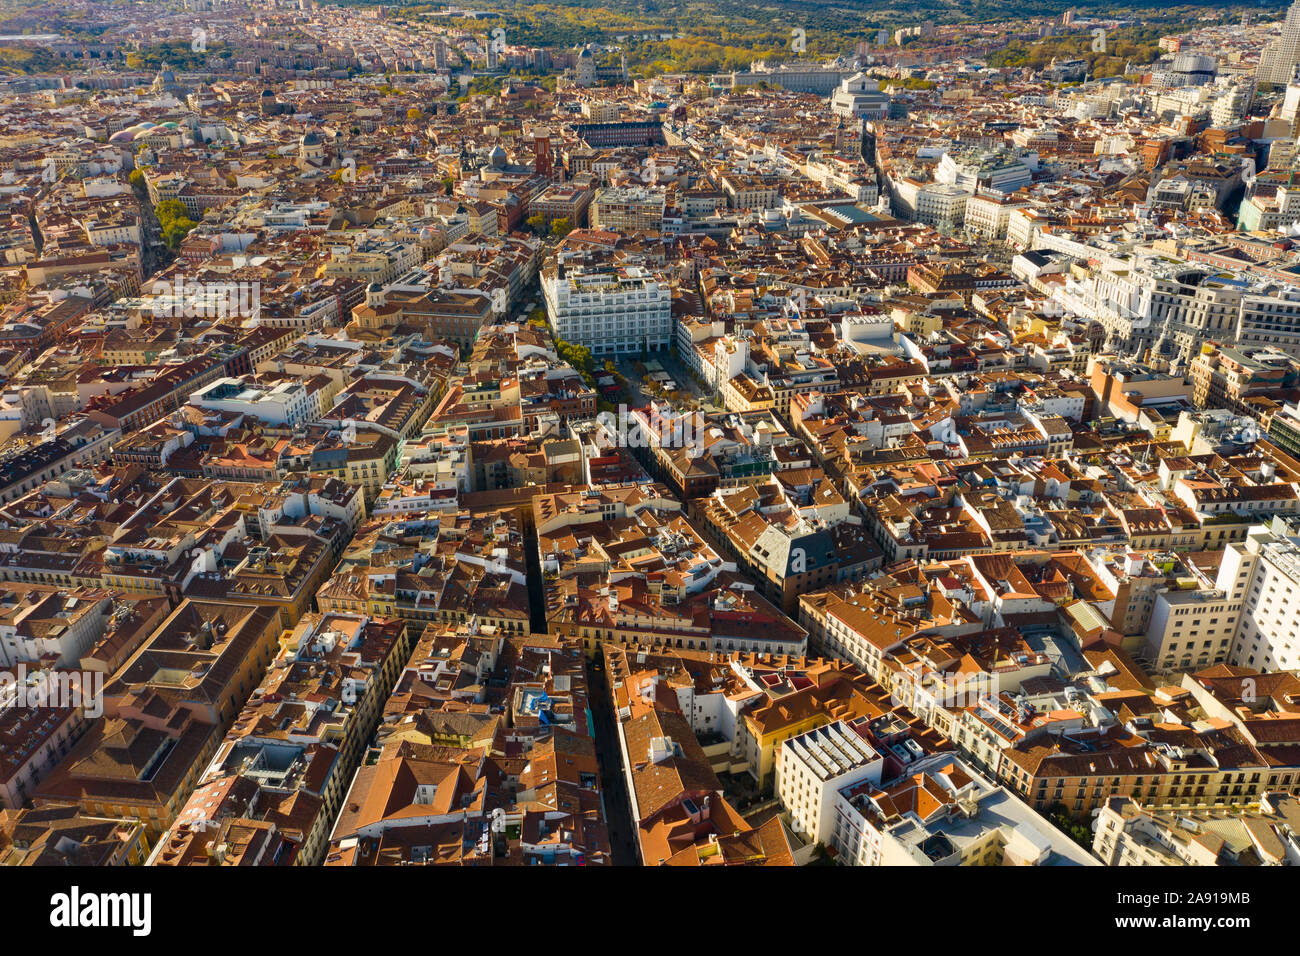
(1078, 831)
(578, 356)
(175, 232)
(174, 220)
(169, 210)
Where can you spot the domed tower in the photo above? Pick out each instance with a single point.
(585, 71)
(166, 82)
(311, 147)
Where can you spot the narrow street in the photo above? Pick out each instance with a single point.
(37, 238)
(618, 813)
(154, 252)
(536, 590)
(613, 786)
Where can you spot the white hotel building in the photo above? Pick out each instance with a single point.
(612, 311)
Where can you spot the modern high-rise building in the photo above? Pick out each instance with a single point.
(1277, 64)
(1269, 570)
